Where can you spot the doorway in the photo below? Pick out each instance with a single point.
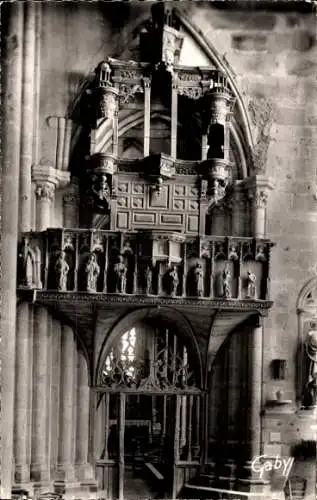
(149, 412)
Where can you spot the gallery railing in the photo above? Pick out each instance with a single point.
(153, 263)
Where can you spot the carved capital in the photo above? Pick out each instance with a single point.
(260, 198)
(146, 82)
(45, 191)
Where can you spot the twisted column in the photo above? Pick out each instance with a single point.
(12, 78)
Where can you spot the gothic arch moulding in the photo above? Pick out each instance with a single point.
(306, 307)
(164, 317)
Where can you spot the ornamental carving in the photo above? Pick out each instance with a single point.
(101, 192)
(261, 198)
(127, 93)
(45, 191)
(262, 116)
(108, 102)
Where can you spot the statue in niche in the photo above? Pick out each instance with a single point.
(226, 283)
(174, 281)
(310, 392)
(61, 272)
(101, 191)
(92, 271)
(251, 289)
(120, 270)
(199, 280)
(148, 278)
(26, 262)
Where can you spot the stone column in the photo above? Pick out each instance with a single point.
(249, 479)
(255, 351)
(258, 191)
(21, 427)
(12, 78)
(65, 467)
(83, 468)
(39, 463)
(46, 179)
(147, 116)
(174, 117)
(71, 205)
(27, 117)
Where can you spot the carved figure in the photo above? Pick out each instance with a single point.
(251, 290)
(226, 283)
(61, 272)
(174, 281)
(199, 280)
(120, 270)
(310, 393)
(148, 276)
(26, 262)
(92, 271)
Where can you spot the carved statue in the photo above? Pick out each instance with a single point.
(310, 392)
(26, 262)
(61, 272)
(148, 276)
(251, 290)
(120, 270)
(92, 271)
(199, 280)
(226, 283)
(174, 281)
(101, 191)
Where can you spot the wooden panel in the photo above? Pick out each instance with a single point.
(179, 190)
(122, 220)
(159, 200)
(179, 204)
(192, 223)
(137, 202)
(122, 201)
(172, 219)
(138, 188)
(143, 218)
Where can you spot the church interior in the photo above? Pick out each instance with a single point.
(158, 221)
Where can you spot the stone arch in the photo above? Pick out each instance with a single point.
(166, 317)
(306, 308)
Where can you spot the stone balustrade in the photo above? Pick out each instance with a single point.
(145, 262)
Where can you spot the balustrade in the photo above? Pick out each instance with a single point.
(145, 263)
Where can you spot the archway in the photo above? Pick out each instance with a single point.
(148, 412)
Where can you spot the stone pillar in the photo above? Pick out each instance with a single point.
(39, 463)
(83, 468)
(45, 194)
(12, 78)
(258, 191)
(21, 427)
(27, 117)
(46, 179)
(174, 117)
(147, 116)
(71, 205)
(254, 403)
(65, 467)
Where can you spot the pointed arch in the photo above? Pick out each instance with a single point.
(166, 316)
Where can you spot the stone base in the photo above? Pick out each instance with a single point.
(85, 490)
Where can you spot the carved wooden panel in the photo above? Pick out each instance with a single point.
(175, 206)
